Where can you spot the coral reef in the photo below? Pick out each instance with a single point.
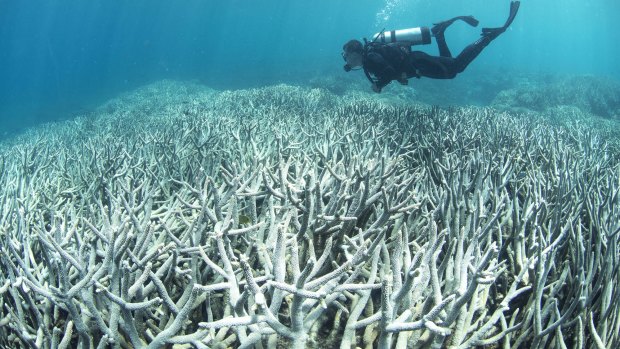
(511, 91)
(593, 95)
(286, 217)
(473, 87)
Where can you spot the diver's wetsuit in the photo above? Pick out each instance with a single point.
(387, 62)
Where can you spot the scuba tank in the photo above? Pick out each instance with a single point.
(410, 36)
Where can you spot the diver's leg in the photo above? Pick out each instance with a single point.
(423, 64)
(444, 51)
(472, 51)
(469, 53)
(439, 29)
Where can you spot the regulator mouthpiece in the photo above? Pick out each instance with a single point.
(410, 36)
(347, 68)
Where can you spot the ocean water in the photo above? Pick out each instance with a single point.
(60, 58)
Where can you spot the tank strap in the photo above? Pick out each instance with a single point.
(366, 72)
(372, 81)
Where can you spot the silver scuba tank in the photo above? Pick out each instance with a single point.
(410, 36)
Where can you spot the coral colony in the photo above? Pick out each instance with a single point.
(285, 217)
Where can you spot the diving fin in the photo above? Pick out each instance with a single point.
(494, 32)
(440, 27)
(514, 8)
(469, 20)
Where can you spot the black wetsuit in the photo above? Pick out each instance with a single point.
(386, 62)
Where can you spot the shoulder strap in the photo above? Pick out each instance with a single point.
(366, 72)
(372, 81)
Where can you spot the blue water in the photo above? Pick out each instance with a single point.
(59, 58)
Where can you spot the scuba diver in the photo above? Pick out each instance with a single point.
(389, 56)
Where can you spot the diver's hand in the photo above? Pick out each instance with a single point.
(376, 88)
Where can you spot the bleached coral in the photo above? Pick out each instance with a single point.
(287, 217)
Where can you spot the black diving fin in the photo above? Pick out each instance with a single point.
(494, 32)
(440, 27)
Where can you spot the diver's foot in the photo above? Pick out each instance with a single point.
(440, 27)
(492, 33)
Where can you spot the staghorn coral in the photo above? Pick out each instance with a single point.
(288, 217)
(590, 94)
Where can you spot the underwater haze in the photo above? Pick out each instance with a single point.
(60, 58)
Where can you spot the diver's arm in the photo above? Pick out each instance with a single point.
(380, 68)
